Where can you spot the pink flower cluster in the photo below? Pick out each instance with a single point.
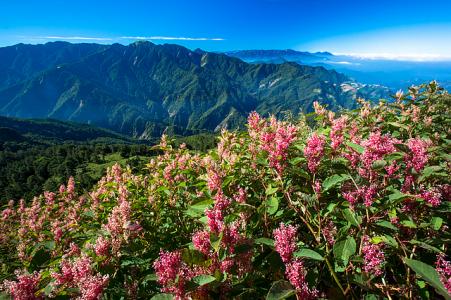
(201, 241)
(376, 147)
(374, 257)
(172, 273)
(25, 288)
(419, 156)
(336, 133)
(275, 138)
(432, 196)
(285, 241)
(79, 274)
(296, 272)
(365, 193)
(443, 268)
(314, 151)
(285, 244)
(119, 225)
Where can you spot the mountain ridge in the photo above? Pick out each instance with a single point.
(144, 89)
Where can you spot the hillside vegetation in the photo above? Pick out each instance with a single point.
(144, 89)
(40, 154)
(335, 206)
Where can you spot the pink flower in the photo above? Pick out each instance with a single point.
(352, 196)
(80, 274)
(91, 288)
(254, 121)
(57, 230)
(336, 133)
(274, 137)
(376, 146)
(25, 287)
(172, 273)
(214, 181)
(419, 157)
(432, 196)
(314, 151)
(295, 273)
(368, 195)
(241, 196)
(201, 241)
(65, 276)
(214, 219)
(329, 232)
(443, 268)
(102, 246)
(71, 186)
(285, 241)
(319, 110)
(373, 257)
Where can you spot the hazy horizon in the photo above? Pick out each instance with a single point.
(406, 30)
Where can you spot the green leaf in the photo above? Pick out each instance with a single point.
(203, 279)
(271, 190)
(344, 249)
(272, 205)
(378, 164)
(334, 180)
(193, 257)
(40, 258)
(408, 224)
(162, 297)
(359, 149)
(280, 290)
(4, 296)
(351, 217)
(265, 241)
(389, 240)
(397, 195)
(436, 223)
(50, 245)
(197, 210)
(428, 171)
(308, 253)
(403, 148)
(386, 224)
(215, 241)
(398, 125)
(393, 156)
(429, 274)
(425, 246)
(371, 297)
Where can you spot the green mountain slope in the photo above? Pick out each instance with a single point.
(144, 89)
(48, 131)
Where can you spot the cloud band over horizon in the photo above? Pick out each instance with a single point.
(162, 38)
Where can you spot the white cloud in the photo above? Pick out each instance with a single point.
(420, 57)
(80, 38)
(171, 38)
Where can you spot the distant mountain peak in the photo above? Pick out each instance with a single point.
(144, 89)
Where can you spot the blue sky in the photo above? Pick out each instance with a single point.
(396, 27)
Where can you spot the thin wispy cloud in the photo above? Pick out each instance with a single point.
(420, 57)
(81, 38)
(171, 38)
(137, 38)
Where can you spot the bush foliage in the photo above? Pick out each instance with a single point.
(355, 206)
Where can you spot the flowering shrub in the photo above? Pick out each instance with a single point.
(351, 206)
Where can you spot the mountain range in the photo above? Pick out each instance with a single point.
(144, 89)
(394, 73)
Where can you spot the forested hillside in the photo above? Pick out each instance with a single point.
(38, 155)
(144, 89)
(350, 205)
